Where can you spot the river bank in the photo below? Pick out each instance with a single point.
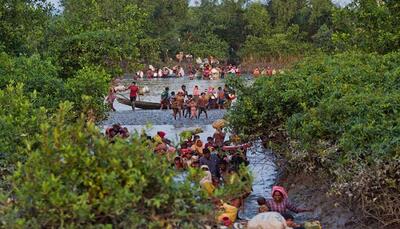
(312, 191)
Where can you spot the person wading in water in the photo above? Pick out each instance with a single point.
(133, 94)
(202, 104)
(280, 202)
(165, 99)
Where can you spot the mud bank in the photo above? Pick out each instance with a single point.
(311, 191)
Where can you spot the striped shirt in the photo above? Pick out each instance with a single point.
(282, 206)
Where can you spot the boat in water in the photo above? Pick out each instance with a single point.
(149, 105)
(140, 104)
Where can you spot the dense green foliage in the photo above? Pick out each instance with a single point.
(73, 177)
(87, 89)
(19, 121)
(368, 25)
(338, 115)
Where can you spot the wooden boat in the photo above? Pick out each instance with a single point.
(151, 105)
(140, 104)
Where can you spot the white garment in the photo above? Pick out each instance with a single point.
(141, 74)
(206, 178)
(181, 72)
(268, 220)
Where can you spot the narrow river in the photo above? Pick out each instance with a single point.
(261, 160)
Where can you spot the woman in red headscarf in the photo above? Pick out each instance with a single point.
(280, 202)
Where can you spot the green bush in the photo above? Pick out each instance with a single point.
(280, 46)
(87, 89)
(76, 178)
(37, 75)
(338, 114)
(19, 122)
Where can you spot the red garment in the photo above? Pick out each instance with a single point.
(161, 134)
(134, 90)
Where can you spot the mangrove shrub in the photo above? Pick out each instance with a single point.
(75, 178)
(339, 115)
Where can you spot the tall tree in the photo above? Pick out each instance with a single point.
(22, 25)
(257, 19)
(284, 11)
(369, 25)
(102, 32)
(164, 18)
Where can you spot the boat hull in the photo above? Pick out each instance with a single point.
(140, 104)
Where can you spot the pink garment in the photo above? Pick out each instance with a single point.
(111, 97)
(196, 92)
(281, 190)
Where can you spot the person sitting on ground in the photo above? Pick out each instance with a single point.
(223, 170)
(237, 159)
(178, 163)
(202, 105)
(165, 99)
(229, 211)
(290, 221)
(262, 205)
(196, 137)
(206, 182)
(198, 147)
(210, 143)
(194, 162)
(159, 139)
(189, 142)
(117, 130)
(280, 202)
(212, 161)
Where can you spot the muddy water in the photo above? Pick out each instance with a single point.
(261, 165)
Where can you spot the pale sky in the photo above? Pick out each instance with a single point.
(341, 2)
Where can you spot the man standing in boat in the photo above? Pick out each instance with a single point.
(133, 94)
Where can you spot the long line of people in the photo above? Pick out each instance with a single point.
(220, 161)
(198, 71)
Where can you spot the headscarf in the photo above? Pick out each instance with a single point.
(159, 137)
(206, 178)
(198, 149)
(281, 190)
(161, 134)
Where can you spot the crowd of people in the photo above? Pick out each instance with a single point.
(193, 105)
(220, 162)
(267, 71)
(204, 71)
